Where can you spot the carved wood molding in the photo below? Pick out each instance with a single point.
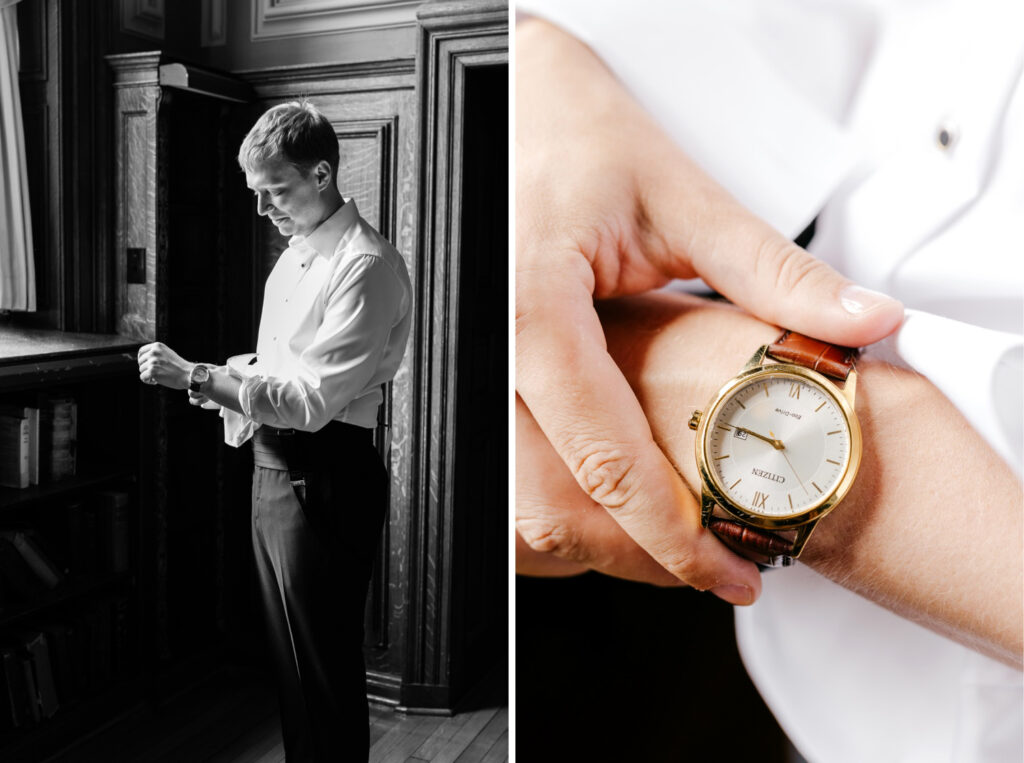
(332, 79)
(136, 103)
(272, 19)
(453, 38)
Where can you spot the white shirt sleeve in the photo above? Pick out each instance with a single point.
(985, 381)
(238, 427)
(346, 350)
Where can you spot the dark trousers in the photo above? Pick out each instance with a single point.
(314, 553)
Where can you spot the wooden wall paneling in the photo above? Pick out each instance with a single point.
(453, 38)
(137, 97)
(89, 294)
(143, 17)
(299, 34)
(213, 30)
(479, 557)
(373, 110)
(293, 18)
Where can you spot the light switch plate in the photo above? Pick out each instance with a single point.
(136, 265)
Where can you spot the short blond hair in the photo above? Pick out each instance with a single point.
(296, 132)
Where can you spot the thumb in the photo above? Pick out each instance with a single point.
(742, 257)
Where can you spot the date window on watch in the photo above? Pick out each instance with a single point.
(739, 434)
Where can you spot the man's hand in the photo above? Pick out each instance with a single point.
(607, 205)
(569, 532)
(890, 540)
(159, 364)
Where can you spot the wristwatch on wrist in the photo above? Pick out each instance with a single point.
(197, 377)
(778, 447)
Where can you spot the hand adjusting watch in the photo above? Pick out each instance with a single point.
(778, 447)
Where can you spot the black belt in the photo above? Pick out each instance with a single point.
(299, 452)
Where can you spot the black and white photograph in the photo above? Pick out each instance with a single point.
(253, 364)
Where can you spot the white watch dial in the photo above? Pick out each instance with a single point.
(778, 445)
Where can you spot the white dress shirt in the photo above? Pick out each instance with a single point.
(840, 110)
(337, 310)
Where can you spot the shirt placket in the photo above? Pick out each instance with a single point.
(288, 305)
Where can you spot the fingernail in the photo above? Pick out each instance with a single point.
(740, 595)
(857, 300)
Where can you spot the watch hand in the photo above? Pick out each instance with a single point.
(777, 444)
(791, 468)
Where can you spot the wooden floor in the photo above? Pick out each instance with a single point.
(233, 719)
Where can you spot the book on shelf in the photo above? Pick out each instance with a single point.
(17, 711)
(31, 414)
(14, 451)
(30, 546)
(30, 686)
(39, 674)
(80, 655)
(58, 437)
(112, 521)
(18, 582)
(93, 625)
(38, 441)
(82, 551)
(59, 639)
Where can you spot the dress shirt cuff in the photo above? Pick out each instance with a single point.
(978, 369)
(238, 428)
(247, 390)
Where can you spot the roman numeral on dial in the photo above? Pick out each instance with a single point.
(794, 391)
(760, 500)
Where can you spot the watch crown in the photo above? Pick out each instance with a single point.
(694, 420)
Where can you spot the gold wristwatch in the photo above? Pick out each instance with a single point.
(779, 447)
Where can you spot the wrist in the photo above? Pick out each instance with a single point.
(891, 402)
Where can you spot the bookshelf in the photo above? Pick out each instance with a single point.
(74, 584)
(11, 498)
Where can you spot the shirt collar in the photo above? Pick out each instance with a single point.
(328, 235)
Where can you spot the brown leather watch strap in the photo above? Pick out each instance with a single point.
(761, 546)
(829, 359)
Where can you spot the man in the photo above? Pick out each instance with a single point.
(335, 322)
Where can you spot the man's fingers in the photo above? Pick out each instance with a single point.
(561, 531)
(544, 565)
(781, 283)
(705, 232)
(592, 419)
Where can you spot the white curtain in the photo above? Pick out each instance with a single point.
(17, 270)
